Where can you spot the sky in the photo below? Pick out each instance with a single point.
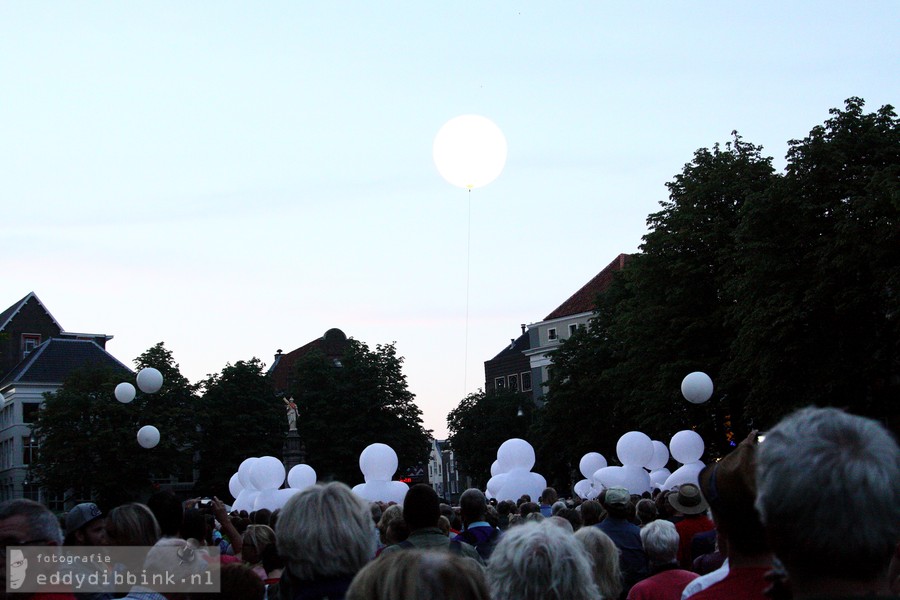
(234, 178)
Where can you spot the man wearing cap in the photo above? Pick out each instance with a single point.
(85, 526)
(729, 486)
(625, 535)
(690, 503)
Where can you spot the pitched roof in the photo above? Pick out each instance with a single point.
(54, 360)
(585, 299)
(516, 346)
(332, 344)
(7, 315)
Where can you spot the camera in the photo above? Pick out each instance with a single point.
(205, 502)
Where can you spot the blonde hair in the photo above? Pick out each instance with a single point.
(132, 525)
(420, 574)
(604, 557)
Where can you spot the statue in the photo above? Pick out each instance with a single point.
(292, 412)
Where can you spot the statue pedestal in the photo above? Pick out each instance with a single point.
(293, 452)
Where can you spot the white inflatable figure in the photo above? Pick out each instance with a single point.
(266, 475)
(635, 451)
(686, 447)
(516, 458)
(589, 464)
(301, 477)
(378, 463)
(235, 487)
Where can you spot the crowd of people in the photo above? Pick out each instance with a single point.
(811, 512)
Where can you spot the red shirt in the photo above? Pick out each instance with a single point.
(687, 528)
(666, 585)
(742, 583)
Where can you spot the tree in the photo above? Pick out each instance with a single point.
(240, 417)
(345, 406)
(88, 444)
(481, 422)
(819, 313)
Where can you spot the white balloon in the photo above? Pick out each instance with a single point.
(148, 436)
(660, 456)
(515, 453)
(244, 472)
(267, 473)
(382, 491)
(495, 483)
(659, 476)
(610, 477)
(397, 492)
(301, 477)
(282, 496)
(469, 151)
(495, 468)
(591, 463)
(266, 499)
(634, 449)
(686, 446)
(520, 482)
(697, 387)
(235, 487)
(586, 489)
(635, 479)
(125, 392)
(149, 380)
(688, 473)
(245, 500)
(378, 462)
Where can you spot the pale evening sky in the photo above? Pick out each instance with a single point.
(231, 178)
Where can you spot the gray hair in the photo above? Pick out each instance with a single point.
(827, 493)
(604, 555)
(175, 558)
(557, 506)
(660, 540)
(42, 524)
(325, 531)
(540, 561)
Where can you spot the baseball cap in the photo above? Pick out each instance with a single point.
(81, 515)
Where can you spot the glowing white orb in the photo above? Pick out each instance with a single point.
(148, 436)
(470, 151)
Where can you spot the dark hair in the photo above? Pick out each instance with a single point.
(591, 512)
(472, 505)
(572, 516)
(646, 511)
(169, 512)
(262, 516)
(421, 507)
(240, 582)
(194, 525)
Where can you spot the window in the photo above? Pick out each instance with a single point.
(526, 381)
(30, 341)
(572, 329)
(29, 450)
(499, 383)
(551, 334)
(513, 382)
(29, 411)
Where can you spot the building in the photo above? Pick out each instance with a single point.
(511, 368)
(333, 345)
(576, 312)
(36, 357)
(443, 474)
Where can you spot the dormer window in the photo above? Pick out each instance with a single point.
(551, 334)
(30, 341)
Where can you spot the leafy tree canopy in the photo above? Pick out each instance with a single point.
(343, 407)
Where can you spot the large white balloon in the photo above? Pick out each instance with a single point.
(495, 483)
(688, 473)
(125, 392)
(660, 456)
(267, 473)
(149, 380)
(378, 462)
(148, 436)
(635, 479)
(470, 151)
(658, 477)
(301, 477)
(282, 496)
(495, 468)
(245, 500)
(266, 499)
(235, 486)
(610, 477)
(519, 482)
(697, 387)
(591, 463)
(382, 491)
(586, 489)
(244, 472)
(515, 453)
(686, 446)
(634, 449)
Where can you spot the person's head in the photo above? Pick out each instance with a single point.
(420, 574)
(591, 512)
(646, 511)
(175, 560)
(194, 526)
(617, 502)
(572, 516)
(604, 557)
(132, 525)
(392, 513)
(540, 561)
(168, 510)
(421, 507)
(688, 501)
(526, 508)
(549, 496)
(255, 540)
(26, 523)
(828, 495)
(505, 507)
(660, 540)
(325, 531)
(85, 526)
(556, 507)
(262, 516)
(240, 582)
(377, 511)
(729, 487)
(472, 506)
